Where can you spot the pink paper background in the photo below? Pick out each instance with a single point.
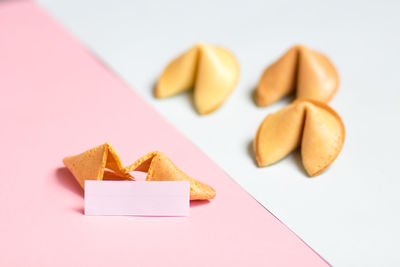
(57, 100)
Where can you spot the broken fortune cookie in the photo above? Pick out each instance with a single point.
(212, 72)
(103, 163)
(313, 125)
(311, 74)
(92, 165)
(160, 168)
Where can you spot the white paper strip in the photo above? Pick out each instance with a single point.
(149, 198)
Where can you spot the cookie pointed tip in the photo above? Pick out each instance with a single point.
(213, 194)
(299, 46)
(260, 102)
(203, 112)
(312, 174)
(65, 161)
(158, 91)
(201, 45)
(260, 162)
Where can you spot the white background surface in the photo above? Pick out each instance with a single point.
(350, 213)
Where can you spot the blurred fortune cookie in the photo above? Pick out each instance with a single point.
(313, 125)
(103, 163)
(307, 72)
(211, 71)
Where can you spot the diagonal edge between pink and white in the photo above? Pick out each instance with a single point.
(57, 100)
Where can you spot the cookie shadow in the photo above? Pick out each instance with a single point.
(65, 178)
(198, 203)
(79, 210)
(253, 95)
(251, 152)
(153, 88)
(285, 100)
(189, 95)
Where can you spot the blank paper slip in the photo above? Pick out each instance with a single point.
(137, 198)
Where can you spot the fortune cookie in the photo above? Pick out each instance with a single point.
(103, 163)
(160, 168)
(310, 73)
(212, 72)
(313, 125)
(92, 165)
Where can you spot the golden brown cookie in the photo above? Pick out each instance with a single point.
(311, 74)
(103, 163)
(313, 125)
(92, 165)
(212, 72)
(160, 168)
